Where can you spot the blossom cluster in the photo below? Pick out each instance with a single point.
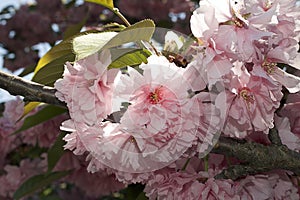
(15, 167)
(154, 123)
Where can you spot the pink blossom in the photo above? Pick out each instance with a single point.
(265, 63)
(208, 121)
(83, 138)
(124, 177)
(288, 138)
(8, 124)
(157, 127)
(170, 184)
(156, 124)
(291, 111)
(16, 175)
(87, 88)
(218, 189)
(206, 69)
(267, 186)
(228, 25)
(251, 103)
(13, 110)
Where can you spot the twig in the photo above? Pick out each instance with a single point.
(31, 91)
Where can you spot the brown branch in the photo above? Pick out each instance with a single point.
(31, 91)
(256, 157)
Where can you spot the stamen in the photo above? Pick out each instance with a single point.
(269, 67)
(156, 96)
(245, 93)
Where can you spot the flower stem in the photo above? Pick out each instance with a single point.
(185, 164)
(205, 160)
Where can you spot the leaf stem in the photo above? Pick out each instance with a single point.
(121, 16)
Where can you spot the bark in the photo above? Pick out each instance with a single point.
(31, 91)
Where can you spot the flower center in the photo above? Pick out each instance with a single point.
(269, 67)
(237, 22)
(245, 93)
(156, 96)
(267, 5)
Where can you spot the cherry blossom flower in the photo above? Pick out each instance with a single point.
(16, 175)
(267, 57)
(208, 120)
(267, 186)
(153, 121)
(170, 184)
(13, 110)
(207, 68)
(226, 28)
(157, 127)
(291, 111)
(288, 138)
(251, 100)
(87, 88)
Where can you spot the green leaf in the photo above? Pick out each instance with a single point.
(62, 49)
(128, 57)
(74, 29)
(43, 115)
(27, 70)
(142, 30)
(53, 70)
(113, 26)
(107, 3)
(56, 151)
(37, 182)
(50, 67)
(142, 196)
(89, 44)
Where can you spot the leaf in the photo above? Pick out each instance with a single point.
(89, 44)
(142, 30)
(113, 26)
(29, 107)
(74, 29)
(43, 115)
(131, 57)
(142, 196)
(53, 70)
(37, 182)
(29, 69)
(55, 59)
(62, 49)
(56, 151)
(107, 3)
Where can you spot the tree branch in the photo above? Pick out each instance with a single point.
(31, 91)
(256, 157)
